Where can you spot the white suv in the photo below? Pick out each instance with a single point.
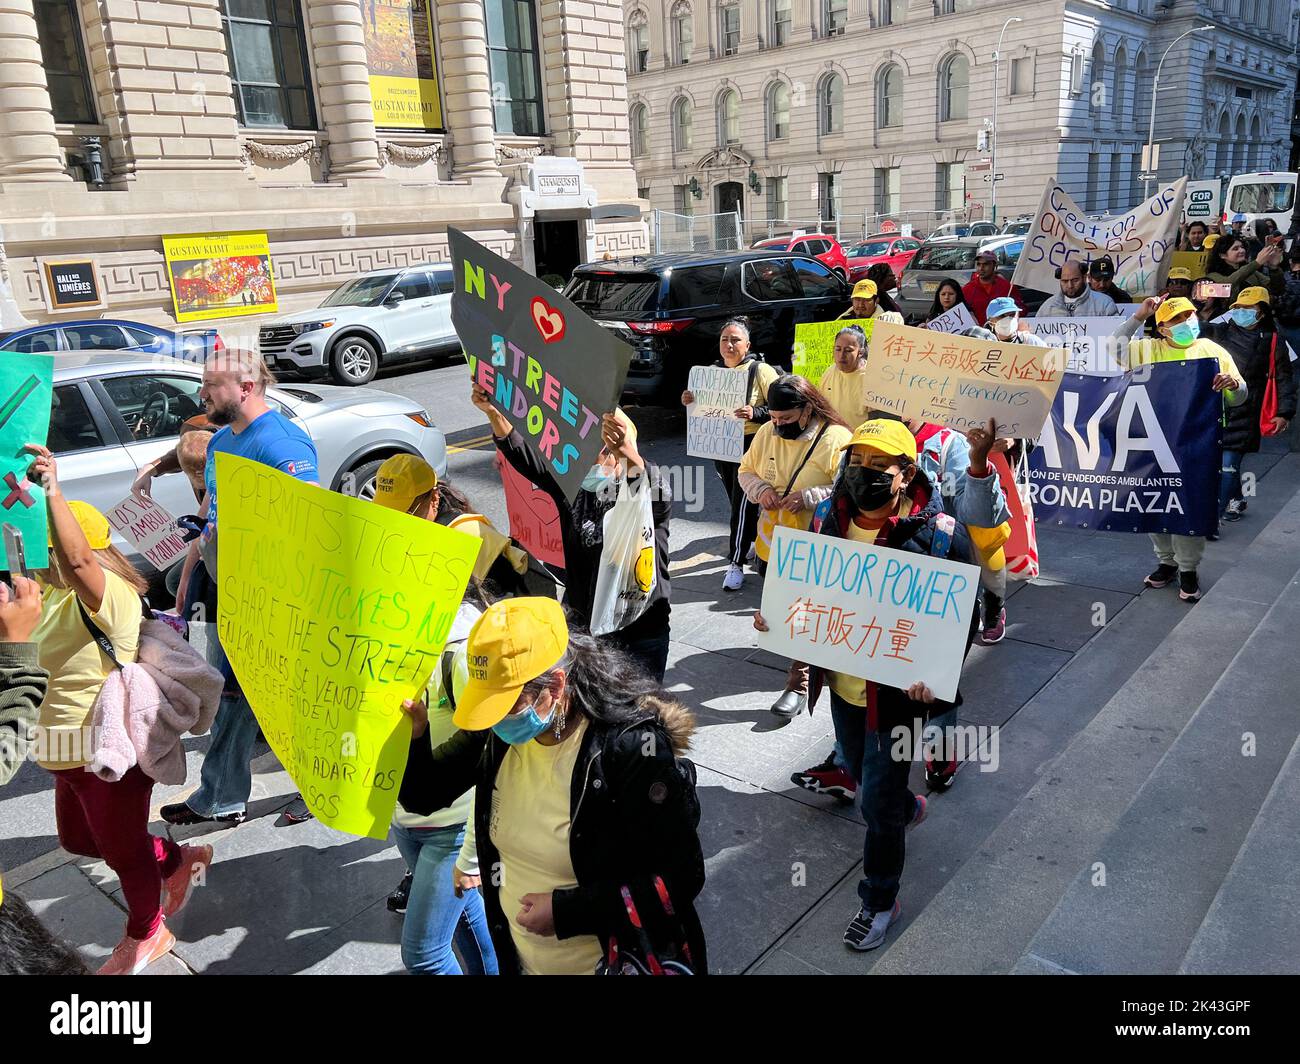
(378, 317)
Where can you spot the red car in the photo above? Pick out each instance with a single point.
(825, 249)
(892, 248)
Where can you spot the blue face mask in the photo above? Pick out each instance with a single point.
(1184, 334)
(1245, 316)
(597, 479)
(520, 728)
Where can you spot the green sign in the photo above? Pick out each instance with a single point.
(26, 388)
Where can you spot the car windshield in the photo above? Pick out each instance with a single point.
(623, 292)
(943, 257)
(877, 247)
(1016, 228)
(1265, 197)
(365, 291)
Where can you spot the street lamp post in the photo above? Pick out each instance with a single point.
(1151, 133)
(993, 147)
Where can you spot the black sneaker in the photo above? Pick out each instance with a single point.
(398, 899)
(1163, 576)
(867, 929)
(1189, 586)
(181, 815)
(296, 812)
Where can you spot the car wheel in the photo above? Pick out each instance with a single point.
(354, 361)
(359, 482)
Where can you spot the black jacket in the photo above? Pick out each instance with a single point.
(915, 533)
(1250, 350)
(582, 533)
(634, 817)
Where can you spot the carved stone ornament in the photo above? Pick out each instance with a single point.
(279, 153)
(506, 153)
(724, 157)
(409, 153)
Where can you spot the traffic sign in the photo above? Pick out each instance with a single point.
(995, 177)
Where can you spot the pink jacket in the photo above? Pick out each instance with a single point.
(143, 709)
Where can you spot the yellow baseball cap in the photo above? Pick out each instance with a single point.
(1210, 240)
(1171, 308)
(94, 525)
(865, 290)
(402, 479)
(515, 641)
(886, 436)
(1252, 296)
(1180, 273)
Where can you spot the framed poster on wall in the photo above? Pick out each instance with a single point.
(71, 284)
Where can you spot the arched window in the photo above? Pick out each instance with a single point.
(1239, 152)
(683, 34)
(889, 97)
(1120, 95)
(1223, 150)
(830, 104)
(639, 122)
(638, 43)
(729, 118)
(682, 122)
(778, 112)
(954, 88)
(1097, 90)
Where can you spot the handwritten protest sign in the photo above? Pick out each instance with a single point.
(333, 610)
(952, 321)
(1089, 343)
(1140, 242)
(712, 428)
(884, 615)
(961, 382)
(26, 391)
(150, 529)
(550, 369)
(534, 521)
(814, 345)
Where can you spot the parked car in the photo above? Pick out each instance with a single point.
(1019, 227)
(113, 413)
(956, 259)
(377, 318)
(891, 248)
(110, 334)
(961, 230)
(671, 308)
(819, 246)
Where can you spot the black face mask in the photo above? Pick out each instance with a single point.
(789, 431)
(870, 489)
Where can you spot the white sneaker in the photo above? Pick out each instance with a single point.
(734, 579)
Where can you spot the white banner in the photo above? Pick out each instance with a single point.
(952, 321)
(1089, 343)
(712, 428)
(872, 612)
(1139, 242)
(149, 529)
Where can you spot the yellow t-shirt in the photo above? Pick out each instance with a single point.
(78, 667)
(763, 378)
(852, 688)
(529, 825)
(847, 393)
(1149, 349)
(774, 459)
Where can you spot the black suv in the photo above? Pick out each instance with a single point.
(671, 308)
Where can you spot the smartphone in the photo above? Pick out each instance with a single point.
(1212, 290)
(14, 551)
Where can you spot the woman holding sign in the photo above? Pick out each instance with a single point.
(733, 348)
(947, 296)
(843, 383)
(883, 498)
(788, 471)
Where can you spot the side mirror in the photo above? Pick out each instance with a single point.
(395, 299)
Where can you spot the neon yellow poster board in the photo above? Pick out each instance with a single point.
(814, 345)
(332, 610)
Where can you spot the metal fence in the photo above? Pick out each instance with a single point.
(774, 227)
(696, 232)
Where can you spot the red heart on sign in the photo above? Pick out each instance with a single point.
(549, 321)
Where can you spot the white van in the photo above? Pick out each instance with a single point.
(1262, 195)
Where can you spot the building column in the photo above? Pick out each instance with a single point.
(338, 47)
(467, 89)
(29, 150)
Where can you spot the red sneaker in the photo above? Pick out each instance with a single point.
(939, 775)
(132, 956)
(177, 887)
(827, 778)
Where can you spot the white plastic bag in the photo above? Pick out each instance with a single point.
(627, 573)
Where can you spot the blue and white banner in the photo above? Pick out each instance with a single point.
(1136, 452)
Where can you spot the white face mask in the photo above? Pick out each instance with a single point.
(1007, 326)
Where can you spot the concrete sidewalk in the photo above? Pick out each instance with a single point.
(782, 863)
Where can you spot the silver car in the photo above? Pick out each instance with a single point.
(113, 413)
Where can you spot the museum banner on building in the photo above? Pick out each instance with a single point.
(401, 56)
(219, 275)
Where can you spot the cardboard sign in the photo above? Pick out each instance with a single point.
(220, 275)
(26, 392)
(1139, 242)
(534, 521)
(550, 369)
(872, 612)
(150, 529)
(1090, 344)
(71, 284)
(332, 611)
(712, 428)
(814, 345)
(961, 382)
(957, 320)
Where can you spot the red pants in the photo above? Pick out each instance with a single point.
(111, 821)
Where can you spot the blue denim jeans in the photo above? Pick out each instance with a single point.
(226, 779)
(435, 917)
(1229, 479)
(884, 799)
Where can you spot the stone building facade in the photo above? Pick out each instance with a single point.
(804, 112)
(212, 116)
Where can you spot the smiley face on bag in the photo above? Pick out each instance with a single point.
(645, 569)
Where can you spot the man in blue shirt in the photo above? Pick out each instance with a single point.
(234, 397)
